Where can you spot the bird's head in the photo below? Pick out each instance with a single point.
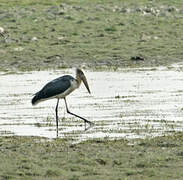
(81, 77)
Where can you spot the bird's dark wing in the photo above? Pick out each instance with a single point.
(55, 87)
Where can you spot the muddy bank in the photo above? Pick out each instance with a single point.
(39, 158)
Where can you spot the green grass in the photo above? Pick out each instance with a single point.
(39, 158)
(94, 33)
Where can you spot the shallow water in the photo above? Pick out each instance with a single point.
(129, 103)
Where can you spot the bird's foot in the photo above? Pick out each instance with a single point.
(91, 125)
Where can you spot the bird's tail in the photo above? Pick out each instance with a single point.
(36, 99)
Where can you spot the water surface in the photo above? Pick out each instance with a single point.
(129, 103)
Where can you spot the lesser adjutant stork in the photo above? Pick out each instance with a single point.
(59, 88)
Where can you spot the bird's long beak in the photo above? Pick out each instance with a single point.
(86, 83)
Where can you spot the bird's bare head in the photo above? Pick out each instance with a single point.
(81, 77)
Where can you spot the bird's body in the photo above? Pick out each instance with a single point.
(59, 88)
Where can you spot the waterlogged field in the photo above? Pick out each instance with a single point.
(130, 103)
(127, 105)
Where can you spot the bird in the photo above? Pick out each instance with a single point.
(59, 88)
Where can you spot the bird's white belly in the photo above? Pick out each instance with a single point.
(73, 86)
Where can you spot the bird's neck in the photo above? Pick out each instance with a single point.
(78, 80)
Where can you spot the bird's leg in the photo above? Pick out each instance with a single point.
(56, 111)
(85, 120)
